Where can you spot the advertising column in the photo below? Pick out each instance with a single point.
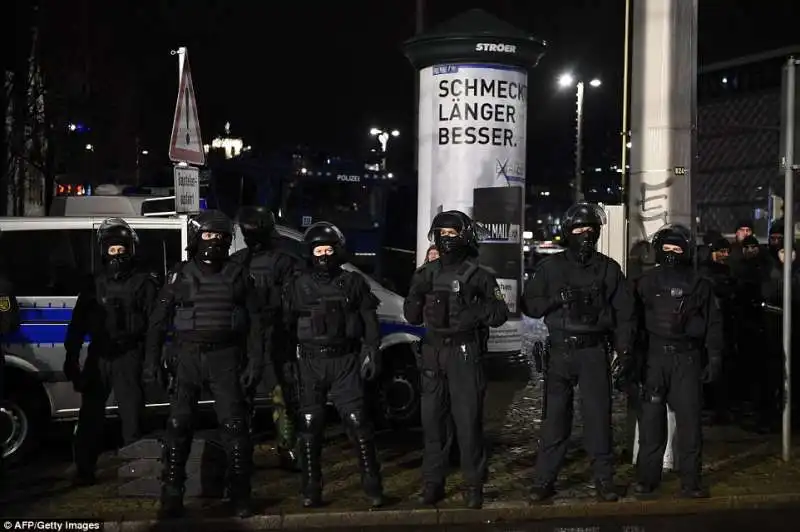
(473, 74)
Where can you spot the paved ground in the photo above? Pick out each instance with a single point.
(737, 464)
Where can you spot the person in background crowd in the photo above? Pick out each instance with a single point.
(432, 254)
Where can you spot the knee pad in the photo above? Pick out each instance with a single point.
(312, 422)
(358, 424)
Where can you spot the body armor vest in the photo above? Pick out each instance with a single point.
(263, 270)
(120, 318)
(449, 298)
(588, 312)
(668, 307)
(208, 302)
(327, 316)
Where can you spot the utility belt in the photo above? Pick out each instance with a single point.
(208, 340)
(568, 340)
(327, 351)
(445, 340)
(669, 346)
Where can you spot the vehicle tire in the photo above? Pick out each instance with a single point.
(23, 418)
(398, 389)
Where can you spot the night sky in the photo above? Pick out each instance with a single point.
(322, 72)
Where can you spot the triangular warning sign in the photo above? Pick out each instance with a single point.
(186, 143)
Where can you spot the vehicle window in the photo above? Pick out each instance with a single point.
(158, 251)
(52, 263)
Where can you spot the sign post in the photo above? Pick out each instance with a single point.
(186, 142)
(473, 81)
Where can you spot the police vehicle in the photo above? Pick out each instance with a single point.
(49, 258)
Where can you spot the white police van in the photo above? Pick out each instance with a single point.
(49, 258)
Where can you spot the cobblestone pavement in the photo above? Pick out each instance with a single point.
(736, 463)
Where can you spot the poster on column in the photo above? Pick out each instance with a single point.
(472, 127)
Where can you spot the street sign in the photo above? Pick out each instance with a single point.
(187, 189)
(306, 221)
(186, 143)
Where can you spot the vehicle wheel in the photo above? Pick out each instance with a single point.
(22, 418)
(398, 389)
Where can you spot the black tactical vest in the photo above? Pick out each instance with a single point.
(449, 297)
(120, 317)
(263, 267)
(669, 305)
(588, 312)
(327, 316)
(207, 301)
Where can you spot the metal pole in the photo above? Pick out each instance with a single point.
(788, 244)
(625, 96)
(579, 145)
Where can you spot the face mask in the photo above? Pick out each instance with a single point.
(118, 265)
(670, 259)
(582, 244)
(256, 239)
(212, 250)
(448, 244)
(325, 263)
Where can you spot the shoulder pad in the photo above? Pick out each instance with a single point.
(427, 267)
(487, 269)
(239, 257)
(288, 254)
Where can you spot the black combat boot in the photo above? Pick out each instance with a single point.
(172, 479)
(541, 492)
(241, 468)
(432, 493)
(311, 454)
(473, 497)
(370, 471)
(605, 491)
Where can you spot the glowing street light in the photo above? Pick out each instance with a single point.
(89, 147)
(395, 133)
(567, 80)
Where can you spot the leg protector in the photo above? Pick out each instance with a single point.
(311, 454)
(363, 436)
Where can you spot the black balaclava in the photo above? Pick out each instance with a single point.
(452, 249)
(776, 242)
(213, 251)
(257, 239)
(582, 245)
(325, 266)
(120, 265)
(671, 259)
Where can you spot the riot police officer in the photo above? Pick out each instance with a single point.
(458, 301)
(333, 313)
(586, 304)
(271, 267)
(214, 310)
(113, 310)
(681, 317)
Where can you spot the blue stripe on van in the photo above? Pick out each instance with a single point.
(45, 325)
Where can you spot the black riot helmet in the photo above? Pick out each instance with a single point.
(257, 224)
(466, 237)
(210, 236)
(676, 235)
(325, 234)
(580, 228)
(111, 234)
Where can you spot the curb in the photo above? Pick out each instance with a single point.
(492, 512)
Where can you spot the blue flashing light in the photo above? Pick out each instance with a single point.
(203, 204)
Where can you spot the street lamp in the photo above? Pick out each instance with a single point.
(567, 80)
(383, 138)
